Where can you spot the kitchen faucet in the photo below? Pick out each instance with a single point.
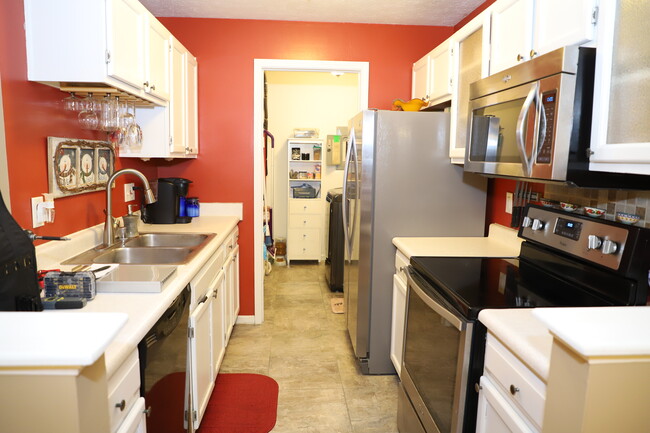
(109, 235)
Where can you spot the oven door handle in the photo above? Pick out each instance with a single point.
(526, 162)
(433, 301)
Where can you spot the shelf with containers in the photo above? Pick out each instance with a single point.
(305, 167)
(304, 222)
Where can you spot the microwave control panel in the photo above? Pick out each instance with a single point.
(549, 102)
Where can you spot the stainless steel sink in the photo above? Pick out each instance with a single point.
(148, 249)
(167, 240)
(144, 256)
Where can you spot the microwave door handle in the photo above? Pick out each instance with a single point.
(521, 139)
(541, 136)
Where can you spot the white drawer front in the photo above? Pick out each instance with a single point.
(305, 243)
(520, 384)
(401, 262)
(201, 282)
(305, 221)
(123, 390)
(305, 206)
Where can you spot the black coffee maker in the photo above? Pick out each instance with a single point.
(169, 207)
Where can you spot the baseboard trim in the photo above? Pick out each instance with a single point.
(245, 320)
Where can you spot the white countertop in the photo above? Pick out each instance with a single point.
(600, 331)
(64, 339)
(142, 309)
(521, 332)
(501, 242)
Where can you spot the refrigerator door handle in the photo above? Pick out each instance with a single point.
(346, 233)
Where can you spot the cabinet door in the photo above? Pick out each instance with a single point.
(218, 321)
(200, 358)
(420, 79)
(560, 23)
(620, 135)
(125, 41)
(177, 97)
(440, 74)
(191, 106)
(495, 414)
(135, 421)
(470, 62)
(235, 284)
(397, 323)
(511, 37)
(158, 53)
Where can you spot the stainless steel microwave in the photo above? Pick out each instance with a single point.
(533, 121)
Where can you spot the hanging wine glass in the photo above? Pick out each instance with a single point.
(88, 118)
(72, 103)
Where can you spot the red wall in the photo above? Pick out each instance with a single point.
(225, 50)
(32, 112)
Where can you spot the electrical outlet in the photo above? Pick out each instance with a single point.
(509, 202)
(129, 193)
(36, 221)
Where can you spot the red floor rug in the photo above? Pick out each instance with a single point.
(241, 403)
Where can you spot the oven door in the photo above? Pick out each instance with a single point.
(523, 131)
(437, 348)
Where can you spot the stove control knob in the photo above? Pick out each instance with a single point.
(593, 242)
(527, 222)
(609, 247)
(537, 224)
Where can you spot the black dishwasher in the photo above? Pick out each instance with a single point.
(163, 362)
(334, 261)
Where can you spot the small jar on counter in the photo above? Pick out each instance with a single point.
(192, 206)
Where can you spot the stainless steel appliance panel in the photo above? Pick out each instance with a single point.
(407, 187)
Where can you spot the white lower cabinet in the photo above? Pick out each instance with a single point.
(200, 359)
(124, 392)
(398, 314)
(232, 291)
(398, 319)
(135, 421)
(218, 322)
(495, 413)
(512, 397)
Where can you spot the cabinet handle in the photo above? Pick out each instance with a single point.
(513, 390)
(304, 222)
(146, 84)
(477, 387)
(533, 53)
(121, 405)
(147, 411)
(153, 87)
(520, 57)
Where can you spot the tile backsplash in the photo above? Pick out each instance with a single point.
(628, 201)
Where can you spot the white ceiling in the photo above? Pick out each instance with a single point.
(408, 12)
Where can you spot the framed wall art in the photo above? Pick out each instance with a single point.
(76, 166)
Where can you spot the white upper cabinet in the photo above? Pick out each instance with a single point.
(470, 49)
(440, 73)
(157, 71)
(172, 131)
(512, 33)
(620, 139)
(420, 79)
(110, 43)
(125, 42)
(431, 76)
(523, 29)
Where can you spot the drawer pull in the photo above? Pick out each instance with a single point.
(513, 390)
(121, 405)
(477, 387)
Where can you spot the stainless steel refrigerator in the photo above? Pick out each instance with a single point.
(398, 181)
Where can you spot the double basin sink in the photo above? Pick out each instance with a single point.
(148, 249)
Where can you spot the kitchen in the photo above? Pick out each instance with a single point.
(225, 52)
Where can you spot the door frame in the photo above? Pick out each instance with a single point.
(260, 66)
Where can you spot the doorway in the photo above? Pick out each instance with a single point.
(361, 69)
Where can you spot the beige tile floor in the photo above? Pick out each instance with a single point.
(306, 349)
